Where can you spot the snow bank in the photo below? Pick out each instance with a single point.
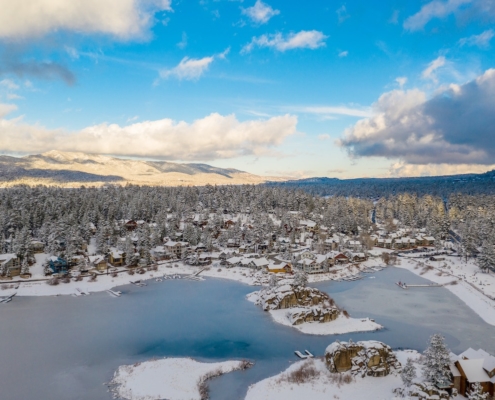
(326, 386)
(169, 378)
(339, 326)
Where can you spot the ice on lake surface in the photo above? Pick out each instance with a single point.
(67, 348)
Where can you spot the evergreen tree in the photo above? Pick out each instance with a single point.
(273, 281)
(486, 258)
(300, 279)
(408, 373)
(437, 360)
(476, 392)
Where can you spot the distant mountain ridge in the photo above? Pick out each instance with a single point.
(73, 168)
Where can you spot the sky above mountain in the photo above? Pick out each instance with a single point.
(315, 88)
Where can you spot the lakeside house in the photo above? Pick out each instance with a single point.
(10, 264)
(473, 366)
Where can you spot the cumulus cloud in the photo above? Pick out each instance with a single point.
(482, 40)
(455, 126)
(344, 53)
(301, 40)
(212, 137)
(324, 136)
(260, 13)
(188, 68)
(124, 19)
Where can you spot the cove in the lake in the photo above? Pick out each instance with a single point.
(62, 348)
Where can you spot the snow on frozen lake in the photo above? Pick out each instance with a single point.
(68, 347)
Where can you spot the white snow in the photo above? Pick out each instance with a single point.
(325, 387)
(168, 378)
(339, 326)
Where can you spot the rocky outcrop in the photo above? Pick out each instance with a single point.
(367, 358)
(290, 296)
(422, 391)
(313, 314)
(304, 304)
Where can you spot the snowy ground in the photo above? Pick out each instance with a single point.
(339, 326)
(325, 385)
(473, 287)
(168, 378)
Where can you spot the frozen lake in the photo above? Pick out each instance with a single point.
(61, 348)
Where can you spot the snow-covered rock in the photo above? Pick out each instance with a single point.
(366, 358)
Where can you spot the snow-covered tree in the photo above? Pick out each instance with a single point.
(273, 281)
(300, 279)
(408, 373)
(486, 258)
(476, 392)
(437, 360)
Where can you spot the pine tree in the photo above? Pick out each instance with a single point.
(486, 259)
(476, 392)
(300, 279)
(273, 281)
(408, 373)
(437, 361)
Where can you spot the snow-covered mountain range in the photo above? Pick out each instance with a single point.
(72, 169)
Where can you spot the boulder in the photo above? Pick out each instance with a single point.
(366, 358)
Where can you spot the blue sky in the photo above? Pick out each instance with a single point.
(324, 88)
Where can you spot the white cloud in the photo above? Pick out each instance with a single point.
(403, 169)
(434, 9)
(9, 84)
(343, 53)
(123, 19)
(429, 72)
(342, 13)
(260, 13)
(188, 68)
(333, 110)
(482, 40)
(183, 43)
(301, 40)
(454, 126)
(6, 109)
(401, 80)
(212, 137)
(324, 136)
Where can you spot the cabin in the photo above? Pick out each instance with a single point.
(11, 264)
(129, 224)
(116, 257)
(258, 263)
(338, 258)
(316, 265)
(358, 257)
(36, 246)
(58, 265)
(279, 267)
(354, 245)
(98, 262)
(473, 366)
(176, 249)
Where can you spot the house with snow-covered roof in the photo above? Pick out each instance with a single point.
(10, 263)
(473, 366)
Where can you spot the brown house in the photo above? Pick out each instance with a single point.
(474, 366)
